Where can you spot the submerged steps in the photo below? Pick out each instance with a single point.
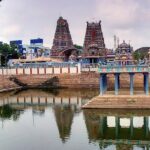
(119, 101)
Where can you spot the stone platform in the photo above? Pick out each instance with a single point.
(119, 102)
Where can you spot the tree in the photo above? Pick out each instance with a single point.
(7, 52)
(78, 46)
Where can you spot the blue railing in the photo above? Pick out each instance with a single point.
(120, 69)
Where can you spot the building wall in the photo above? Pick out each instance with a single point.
(36, 71)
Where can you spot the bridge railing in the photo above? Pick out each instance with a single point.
(124, 69)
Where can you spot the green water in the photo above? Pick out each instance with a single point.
(54, 120)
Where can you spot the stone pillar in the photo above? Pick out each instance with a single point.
(101, 84)
(146, 83)
(131, 83)
(131, 127)
(105, 82)
(119, 81)
(103, 125)
(146, 126)
(117, 124)
(116, 83)
(147, 147)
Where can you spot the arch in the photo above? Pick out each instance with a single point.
(66, 53)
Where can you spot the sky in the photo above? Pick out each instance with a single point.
(27, 19)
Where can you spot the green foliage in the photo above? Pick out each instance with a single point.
(7, 112)
(141, 53)
(6, 52)
(78, 46)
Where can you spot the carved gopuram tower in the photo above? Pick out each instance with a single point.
(62, 43)
(94, 46)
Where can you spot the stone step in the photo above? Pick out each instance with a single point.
(119, 102)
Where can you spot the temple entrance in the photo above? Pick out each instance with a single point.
(69, 55)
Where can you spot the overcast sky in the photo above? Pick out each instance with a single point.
(26, 19)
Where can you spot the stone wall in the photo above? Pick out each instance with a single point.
(83, 80)
(6, 84)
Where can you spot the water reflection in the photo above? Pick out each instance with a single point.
(60, 112)
(7, 112)
(64, 117)
(123, 130)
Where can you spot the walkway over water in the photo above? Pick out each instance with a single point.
(124, 69)
(128, 69)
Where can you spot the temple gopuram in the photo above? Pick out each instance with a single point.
(124, 54)
(62, 44)
(94, 46)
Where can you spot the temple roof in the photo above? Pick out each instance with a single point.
(124, 45)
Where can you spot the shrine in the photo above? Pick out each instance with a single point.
(123, 54)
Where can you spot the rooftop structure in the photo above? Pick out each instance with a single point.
(34, 51)
(36, 42)
(18, 44)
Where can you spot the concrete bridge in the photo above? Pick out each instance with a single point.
(128, 69)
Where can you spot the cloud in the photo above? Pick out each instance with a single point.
(26, 19)
(128, 19)
(118, 13)
(9, 31)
